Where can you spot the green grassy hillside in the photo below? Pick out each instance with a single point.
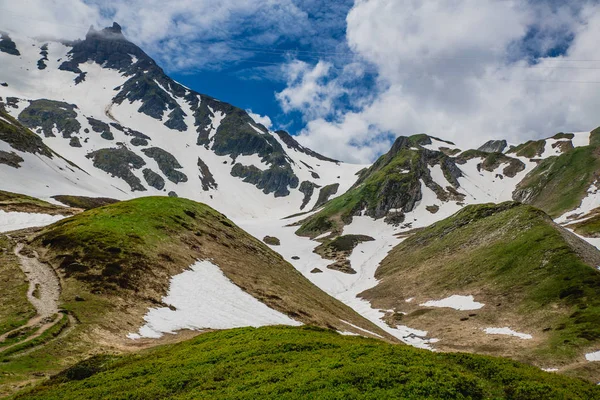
(311, 363)
(559, 183)
(115, 262)
(532, 276)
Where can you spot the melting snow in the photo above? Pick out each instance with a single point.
(455, 301)
(204, 298)
(593, 356)
(507, 331)
(11, 221)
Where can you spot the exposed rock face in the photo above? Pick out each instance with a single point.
(11, 159)
(271, 240)
(153, 179)
(273, 180)
(394, 181)
(308, 189)
(74, 142)
(325, 193)
(293, 144)
(491, 161)
(119, 162)
(493, 146)
(167, 163)
(49, 114)
(7, 45)
(44, 53)
(102, 128)
(206, 177)
(19, 137)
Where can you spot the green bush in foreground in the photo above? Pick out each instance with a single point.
(305, 362)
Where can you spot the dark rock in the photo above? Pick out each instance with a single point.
(19, 137)
(119, 162)
(275, 180)
(316, 271)
(308, 189)
(295, 258)
(4, 84)
(206, 177)
(7, 45)
(494, 146)
(271, 240)
(41, 64)
(102, 128)
(167, 163)
(49, 114)
(11, 159)
(314, 175)
(172, 194)
(153, 179)
(79, 298)
(74, 142)
(325, 193)
(136, 141)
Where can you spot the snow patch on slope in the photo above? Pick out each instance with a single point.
(507, 331)
(13, 220)
(204, 298)
(456, 302)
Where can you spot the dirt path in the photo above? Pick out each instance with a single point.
(44, 286)
(43, 294)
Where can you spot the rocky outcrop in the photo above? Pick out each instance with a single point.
(273, 180)
(307, 188)
(7, 45)
(11, 159)
(50, 114)
(102, 128)
(493, 146)
(153, 179)
(325, 193)
(294, 145)
(41, 64)
(119, 162)
(206, 177)
(19, 137)
(167, 163)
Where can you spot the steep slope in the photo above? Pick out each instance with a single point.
(104, 104)
(524, 272)
(420, 170)
(559, 183)
(292, 363)
(121, 269)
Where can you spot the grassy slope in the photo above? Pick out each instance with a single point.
(291, 363)
(511, 256)
(19, 202)
(558, 184)
(130, 250)
(119, 260)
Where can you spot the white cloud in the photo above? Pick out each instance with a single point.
(308, 89)
(454, 69)
(261, 119)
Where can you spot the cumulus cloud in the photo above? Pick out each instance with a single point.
(464, 70)
(261, 119)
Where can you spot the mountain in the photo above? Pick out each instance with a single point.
(141, 212)
(106, 106)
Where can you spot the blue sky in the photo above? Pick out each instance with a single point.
(349, 76)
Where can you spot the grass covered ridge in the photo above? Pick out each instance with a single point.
(531, 275)
(559, 183)
(306, 362)
(121, 257)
